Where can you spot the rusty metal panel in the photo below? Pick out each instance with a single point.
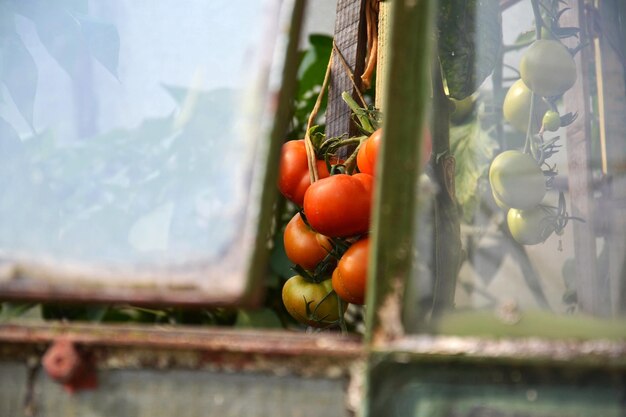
(13, 388)
(164, 371)
(174, 392)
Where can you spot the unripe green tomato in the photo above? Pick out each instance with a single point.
(516, 180)
(516, 107)
(322, 302)
(551, 121)
(532, 226)
(548, 68)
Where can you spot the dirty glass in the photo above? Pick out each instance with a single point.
(130, 135)
(493, 391)
(534, 228)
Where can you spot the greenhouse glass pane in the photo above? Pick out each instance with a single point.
(531, 225)
(129, 136)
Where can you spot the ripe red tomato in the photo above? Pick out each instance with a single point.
(350, 276)
(340, 205)
(368, 152)
(303, 245)
(293, 179)
(323, 304)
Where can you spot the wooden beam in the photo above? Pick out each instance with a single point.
(381, 64)
(350, 37)
(592, 294)
(391, 258)
(612, 108)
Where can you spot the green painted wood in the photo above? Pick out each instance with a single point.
(592, 292)
(611, 84)
(530, 323)
(13, 377)
(180, 393)
(404, 104)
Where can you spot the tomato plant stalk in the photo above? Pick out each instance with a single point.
(447, 230)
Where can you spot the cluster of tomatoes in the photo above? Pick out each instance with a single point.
(518, 182)
(327, 238)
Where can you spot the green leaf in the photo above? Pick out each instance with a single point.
(264, 318)
(179, 94)
(102, 40)
(60, 33)
(314, 63)
(279, 263)
(72, 37)
(96, 313)
(473, 149)
(470, 37)
(525, 38)
(19, 74)
(13, 310)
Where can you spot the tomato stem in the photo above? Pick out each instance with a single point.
(305, 274)
(310, 150)
(371, 17)
(538, 19)
(351, 161)
(531, 124)
(531, 117)
(359, 112)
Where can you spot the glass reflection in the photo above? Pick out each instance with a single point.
(539, 153)
(119, 132)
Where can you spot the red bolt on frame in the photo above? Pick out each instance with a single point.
(67, 366)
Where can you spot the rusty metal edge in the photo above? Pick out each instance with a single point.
(121, 296)
(594, 353)
(119, 347)
(288, 343)
(274, 342)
